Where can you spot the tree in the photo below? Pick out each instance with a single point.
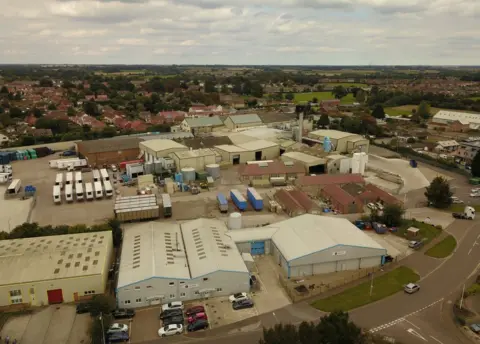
(117, 233)
(339, 92)
(4, 90)
(392, 215)
(45, 83)
(209, 86)
(16, 112)
(52, 106)
(91, 109)
(361, 96)
(476, 165)
(289, 96)
(378, 112)
(423, 110)
(71, 111)
(314, 100)
(323, 121)
(102, 304)
(438, 193)
(256, 90)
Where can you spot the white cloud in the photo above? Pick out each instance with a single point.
(230, 32)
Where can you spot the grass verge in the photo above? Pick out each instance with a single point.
(458, 208)
(427, 232)
(383, 286)
(443, 248)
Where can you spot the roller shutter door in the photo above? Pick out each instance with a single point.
(370, 262)
(55, 296)
(324, 268)
(350, 264)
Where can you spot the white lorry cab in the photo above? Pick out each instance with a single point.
(98, 189)
(89, 191)
(57, 196)
(79, 192)
(69, 193)
(108, 189)
(78, 178)
(104, 174)
(96, 175)
(69, 179)
(59, 180)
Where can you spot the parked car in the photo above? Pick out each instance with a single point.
(242, 304)
(170, 330)
(456, 200)
(371, 206)
(475, 328)
(194, 310)
(84, 307)
(411, 288)
(253, 280)
(388, 259)
(195, 317)
(171, 313)
(200, 324)
(379, 206)
(475, 194)
(238, 297)
(116, 327)
(118, 337)
(123, 313)
(114, 168)
(172, 305)
(68, 153)
(177, 319)
(415, 244)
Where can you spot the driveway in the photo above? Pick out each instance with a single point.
(51, 325)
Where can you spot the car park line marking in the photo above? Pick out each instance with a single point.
(436, 339)
(418, 328)
(415, 333)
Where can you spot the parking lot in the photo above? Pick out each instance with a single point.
(396, 247)
(51, 325)
(13, 212)
(38, 173)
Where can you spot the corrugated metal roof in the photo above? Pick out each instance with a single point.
(287, 201)
(326, 179)
(108, 145)
(275, 167)
(204, 122)
(245, 119)
(338, 194)
(333, 134)
(161, 145)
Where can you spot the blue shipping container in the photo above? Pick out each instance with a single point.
(238, 199)
(222, 203)
(255, 199)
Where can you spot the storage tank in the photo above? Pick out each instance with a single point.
(356, 163)
(179, 177)
(149, 168)
(188, 174)
(363, 162)
(213, 170)
(235, 221)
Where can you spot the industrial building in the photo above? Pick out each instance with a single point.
(54, 269)
(171, 262)
(449, 117)
(249, 151)
(155, 149)
(342, 142)
(201, 125)
(109, 151)
(312, 164)
(261, 174)
(236, 122)
(196, 159)
(310, 244)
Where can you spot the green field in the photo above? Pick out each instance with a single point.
(305, 97)
(458, 208)
(442, 249)
(474, 98)
(383, 286)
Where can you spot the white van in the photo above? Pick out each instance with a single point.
(69, 179)
(78, 178)
(96, 176)
(79, 192)
(14, 187)
(57, 196)
(98, 189)
(69, 193)
(89, 191)
(104, 174)
(59, 180)
(108, 189)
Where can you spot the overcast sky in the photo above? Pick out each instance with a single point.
(301, 32)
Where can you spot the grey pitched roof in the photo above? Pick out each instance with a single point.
(243, 119)
(204, 121)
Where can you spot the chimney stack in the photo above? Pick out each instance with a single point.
(300, 127)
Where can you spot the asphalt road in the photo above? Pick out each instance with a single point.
(424, 317)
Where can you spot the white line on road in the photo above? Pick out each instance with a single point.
(418, 328)
(436, 339)
(416, 334)
(469, 251)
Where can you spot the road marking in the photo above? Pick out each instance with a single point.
(418, 328)
(415, 333)
(469, 251)
(436, 339)
(275, 316)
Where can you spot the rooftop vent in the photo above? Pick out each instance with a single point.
(85, 267)
(263, 164)
(67, 265)
(56, 271)
(95, 262)
(77, 264)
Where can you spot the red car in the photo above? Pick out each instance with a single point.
(195, 317)
(194, 310)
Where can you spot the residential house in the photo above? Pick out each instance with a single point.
(4, 139)
(172, 116)
(139, 126)
(122, 123)
(40, 132)
(277, 119)
(236, 102)
(467, 151)
(329, 104)
(57, 114)
(448, 146)
(89, 121)
(111, 117)
(202, 125)
(259, 174)
(235, 122)
(31, 120)
(203, 110)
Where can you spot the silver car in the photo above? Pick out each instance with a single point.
(411, 288)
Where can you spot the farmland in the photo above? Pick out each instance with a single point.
(305, 97)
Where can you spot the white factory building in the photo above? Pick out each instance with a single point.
(54, 269)
(171, 262)
(196, 159)
(447, 117)
(155, 149)
(311, 244)
(249, 151)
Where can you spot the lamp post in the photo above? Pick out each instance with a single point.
(103, 330)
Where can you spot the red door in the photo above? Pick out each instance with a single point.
(55, 296)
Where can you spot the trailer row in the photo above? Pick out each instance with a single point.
(140, 207)
(240, 201)
(91, 191)
(72, 178)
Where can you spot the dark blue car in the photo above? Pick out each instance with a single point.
(118, 337)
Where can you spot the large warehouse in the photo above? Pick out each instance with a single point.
(250, 151)
(54, 269)
(109, 151)
(312, 244)
(342, 142)
(154, 149)
(171, 262)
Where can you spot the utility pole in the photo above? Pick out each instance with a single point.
(103, 330)
(461, 299)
